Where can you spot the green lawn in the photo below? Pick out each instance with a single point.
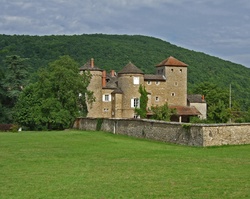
(77, 164)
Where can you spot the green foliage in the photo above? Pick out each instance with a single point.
(196, 120)
(12, 83)
(14, 128)
(244, 117)
(218, 112)
(186, 126)
(55, 99)
(162, 112)
(142, 111)
(115, 51)
(99, 124)
(217, 102)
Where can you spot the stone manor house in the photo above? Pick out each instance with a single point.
(117, 94)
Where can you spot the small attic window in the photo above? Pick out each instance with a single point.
(180, 70)
(136, 80)
(172, 70)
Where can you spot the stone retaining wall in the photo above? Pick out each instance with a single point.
(178, 133)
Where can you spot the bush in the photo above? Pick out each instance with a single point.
(5, 127)
(14, 128)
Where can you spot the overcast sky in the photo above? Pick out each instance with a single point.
(217, 27)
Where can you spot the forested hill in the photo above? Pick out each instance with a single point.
(115, 51)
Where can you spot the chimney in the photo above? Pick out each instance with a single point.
(203, 98)
(92, 63)
(104, 78)
(112, 73)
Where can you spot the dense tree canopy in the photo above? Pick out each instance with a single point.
(114, 52)
(13, 80)
(217, 99)
(162, 112)
(56, 99)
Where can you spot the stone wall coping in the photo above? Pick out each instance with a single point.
(173, 132)
(174, 123)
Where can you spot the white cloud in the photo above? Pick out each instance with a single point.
(218, 27)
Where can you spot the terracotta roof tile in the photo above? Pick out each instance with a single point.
(171, 61)
(130, 69)
(186, 110)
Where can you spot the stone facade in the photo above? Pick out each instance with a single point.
(185, 134)
(198, 101)
(117, 95)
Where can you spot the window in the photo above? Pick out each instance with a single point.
(160, 72)
(136, 80)
(180, 70)
(172, 94)
(176, 83)
(172, 70)
(157, 99)
(135, 102)
(157, 82)
(106, 98)
(106, 109)
(149, 82)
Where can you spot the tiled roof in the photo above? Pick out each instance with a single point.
(186, 110)
(130, 69)
(195, 98)
(154, 77)
(112, 83)
(117, 90)
(171, 61)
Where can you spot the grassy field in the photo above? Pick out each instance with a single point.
(77, 164)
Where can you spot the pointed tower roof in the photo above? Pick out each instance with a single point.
(130, 69)
(171, 61)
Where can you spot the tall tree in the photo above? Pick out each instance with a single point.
(13, 81)
(57, 98)
(16, 76)
(217, 102)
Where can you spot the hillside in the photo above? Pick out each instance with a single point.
(115, 51)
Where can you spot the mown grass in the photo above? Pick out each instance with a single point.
(77, 164)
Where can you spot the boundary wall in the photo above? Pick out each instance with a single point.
(178, 133)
